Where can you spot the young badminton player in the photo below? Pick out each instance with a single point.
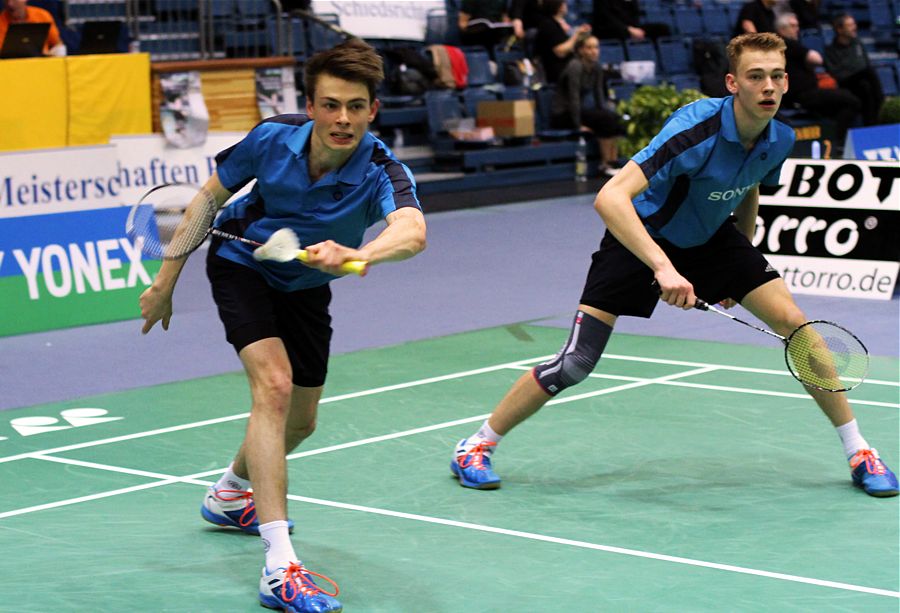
(328, 179)
(669, 219)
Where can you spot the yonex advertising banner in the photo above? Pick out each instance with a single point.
(64, 256)
(69, 269)
(832, 227)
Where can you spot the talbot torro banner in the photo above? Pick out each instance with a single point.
(831, 227)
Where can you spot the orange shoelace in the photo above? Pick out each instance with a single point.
(249, 514)
(296, 577)
(475, 455)
(874, 465)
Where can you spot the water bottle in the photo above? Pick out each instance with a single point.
(815, 150)
(581, 160)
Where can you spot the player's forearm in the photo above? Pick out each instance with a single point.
(617, 211)
(402, 239)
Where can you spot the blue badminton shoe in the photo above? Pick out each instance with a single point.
(232, 509)
(293, 590)
(871, 474)
(471, 464)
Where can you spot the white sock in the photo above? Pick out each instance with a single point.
(277, 543)
(485, 433)
(230, 481)
(851, 438)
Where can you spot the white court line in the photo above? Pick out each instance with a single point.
(724, 388)
(761, 371)
(207, 422)
(607, 548)
(169, 479)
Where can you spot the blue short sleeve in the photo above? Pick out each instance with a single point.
(237, 165)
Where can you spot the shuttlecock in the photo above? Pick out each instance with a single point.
(282, 246)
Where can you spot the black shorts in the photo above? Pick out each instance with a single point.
(726, 266)
(252, 310)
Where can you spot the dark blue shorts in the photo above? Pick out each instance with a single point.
(252, 310)
(726, 266)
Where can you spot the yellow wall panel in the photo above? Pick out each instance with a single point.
(34, 103)
(108, 94)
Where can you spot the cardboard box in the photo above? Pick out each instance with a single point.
(507, 117)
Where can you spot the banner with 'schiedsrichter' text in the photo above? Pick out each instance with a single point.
(831, 227)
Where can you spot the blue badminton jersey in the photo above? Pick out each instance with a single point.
(339, 206)
(698, 171)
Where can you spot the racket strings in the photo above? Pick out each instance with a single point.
(163, 225)
(826, 356)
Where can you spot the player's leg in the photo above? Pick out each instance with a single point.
(588, 336)
(773, 304)
(269, 373)
(301, 422)
(617, 283)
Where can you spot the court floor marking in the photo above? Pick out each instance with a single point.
(428, 380)
(725, 388)
(169, 479)
(218, 420)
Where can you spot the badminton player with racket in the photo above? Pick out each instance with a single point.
(679, 219)
(327, 179)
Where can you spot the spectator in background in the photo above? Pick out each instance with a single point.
(838, 104)
(622, 19)
(756, 16)
(18, 11)
(525, 15)
(484, 23)
(555, 40)
(847, 61)
(580, 102)
(807, 12)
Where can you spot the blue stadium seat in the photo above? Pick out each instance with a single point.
(688, 21)
(320, 37)
(813, 39)
(479, 66)
(716, 19)
(660, 14)
(441, 27)
(638, 50)
(543, 102)
(620, 90)
(888, 77)
(442, 105)
(674, 55)
(612, 53)
(684, 81)
(297, 43)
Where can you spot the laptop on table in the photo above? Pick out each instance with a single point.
(24, 40)
(100, 37)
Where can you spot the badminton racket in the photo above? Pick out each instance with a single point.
(164, 225)
(819, 354)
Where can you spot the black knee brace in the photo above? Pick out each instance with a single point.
(577, 358)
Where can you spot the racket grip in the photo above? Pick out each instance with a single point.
(701, 305)
(353, 267)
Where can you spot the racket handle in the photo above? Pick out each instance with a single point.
(699, 304)
(353, 267)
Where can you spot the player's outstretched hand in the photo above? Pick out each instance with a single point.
(727, 303)
(156, 305)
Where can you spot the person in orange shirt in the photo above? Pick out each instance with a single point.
(18, 11)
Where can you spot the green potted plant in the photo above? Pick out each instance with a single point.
(646, 112)
(890, 111)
